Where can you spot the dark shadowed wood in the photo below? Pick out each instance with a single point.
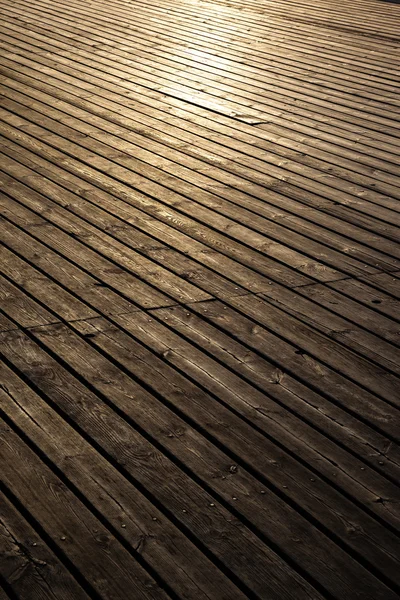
(199, 299)
(222, 354)
(3, 594)
(70, 346)
(144, 528)
(76, 533)
(28, 565)
(173, 488)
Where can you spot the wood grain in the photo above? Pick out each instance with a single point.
(199, 289)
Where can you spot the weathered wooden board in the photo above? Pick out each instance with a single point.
(144, 528)
(29, 567)
(199, 290)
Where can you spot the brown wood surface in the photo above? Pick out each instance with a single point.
(30, 567)
(199, 291)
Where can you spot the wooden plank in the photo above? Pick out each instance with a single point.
(363, 293)
(256, 164)
(42, 288)
(192, 272)
(292, 31)
(18, 305)
(117, 84)
(6, 324)
(127, 511)
(172, 488)
(208, 66)
(292, 358)
(55, 339)
(136, 319)
(305, 176)
(299, 8)
(367, 315)
(144, 102)
(385, 282)
(122, 222)
(350, 262)
(313, 15)
(273, 87)
(286, 189)
(199, 231)
(215, 39)
(321, 348)
(195, 142)
(227, 389)
(277, 231)
(148, 419)
(73, 351)
(279, 10)
(307, 307)
(106, 566)
(222, 81)
(101, 247)
(55, 268)
(212, 356)
(240, 275)
(200, 292)
(378, 299)
(322, 17)
(93, 327)
(29, 567)
(242, 97)
(114, 275)
(349, 44)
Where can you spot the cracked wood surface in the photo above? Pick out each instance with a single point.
(199, 293)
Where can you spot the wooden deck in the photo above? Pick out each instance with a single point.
(200, 283)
